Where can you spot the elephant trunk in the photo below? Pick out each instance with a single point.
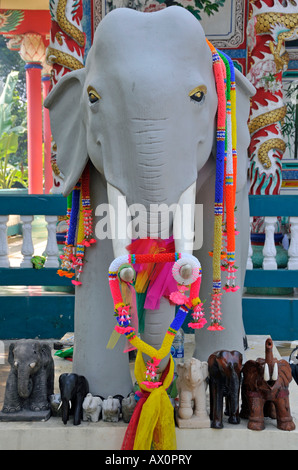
(157, 320)
(233, 385)
(66, 406)
(25, 384)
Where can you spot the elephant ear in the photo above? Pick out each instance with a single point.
(64, 104)
(244, 91)
(205, 369)
(10, 357)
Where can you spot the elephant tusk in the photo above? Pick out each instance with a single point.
(121, 223)
(184, 220)
(266, 372)
(69, 404)
(60, 404)
(275, 372)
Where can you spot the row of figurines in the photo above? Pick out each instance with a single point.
(263, 383)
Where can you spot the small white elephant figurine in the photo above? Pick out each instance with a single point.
(92, 407)
(191, 386)
(111, 409)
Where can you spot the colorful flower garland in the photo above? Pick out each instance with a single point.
(79, 234)
(225, 183)
(149, 380)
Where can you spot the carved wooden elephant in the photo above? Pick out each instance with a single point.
(224, 381)
(265, 391)
(191, 386)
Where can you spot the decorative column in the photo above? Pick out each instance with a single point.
(32, 51)
(4, 261)
(27, 248)
(269, 250)
(293, 249)
(48, 175)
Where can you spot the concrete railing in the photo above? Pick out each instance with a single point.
(27, 206)
(270, 207)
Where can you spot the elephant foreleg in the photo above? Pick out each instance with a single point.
(39, 397)
(12, 401)
(283, 414)
(78, 411)
(256, 411)
(216, 405)
(185, 408)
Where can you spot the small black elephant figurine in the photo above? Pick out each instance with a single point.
(224, 369)
(30, 382)
(73, 390)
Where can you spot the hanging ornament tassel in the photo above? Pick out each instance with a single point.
(231, 171)
(219, 73)
(80, 232)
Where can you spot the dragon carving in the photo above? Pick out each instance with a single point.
(271, 23)
(65, 53)
(67, 40)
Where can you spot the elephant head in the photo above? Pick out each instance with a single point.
(143, 111)
(27, 358)
(192, 373)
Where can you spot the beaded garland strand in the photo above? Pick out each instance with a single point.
(225, 182)
(79, 234)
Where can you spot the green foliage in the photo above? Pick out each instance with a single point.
(206, 6)
(9, 135)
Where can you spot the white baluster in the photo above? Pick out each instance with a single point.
(293, 248)
(52, 247)
(4, 261)
(27, 248)
(249, 264)
(269, 250)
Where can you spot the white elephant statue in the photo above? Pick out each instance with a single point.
(191, 386)
(92, 408)
(130, 112)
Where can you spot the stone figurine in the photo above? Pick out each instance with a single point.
(130, 113)
(191, 386)
(127, 407)
(265, 391)
(111, 409)
(92, 407)
(73, 390)
(224, 382)
(30, 382)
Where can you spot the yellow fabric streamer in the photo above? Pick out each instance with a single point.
(80, 236)
(156, 427)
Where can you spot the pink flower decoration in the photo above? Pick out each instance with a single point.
(235, 288)
(123, 310)
(178, 298)
(198, 325)
(215, 327)
(151, 384)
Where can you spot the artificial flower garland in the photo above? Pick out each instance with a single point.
(146, 429)
(79, 234)
(225, 182)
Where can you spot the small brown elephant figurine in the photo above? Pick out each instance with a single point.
(224, 381)
(265, 391)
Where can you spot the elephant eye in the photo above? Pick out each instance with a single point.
(198, 94)
(93, 95)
